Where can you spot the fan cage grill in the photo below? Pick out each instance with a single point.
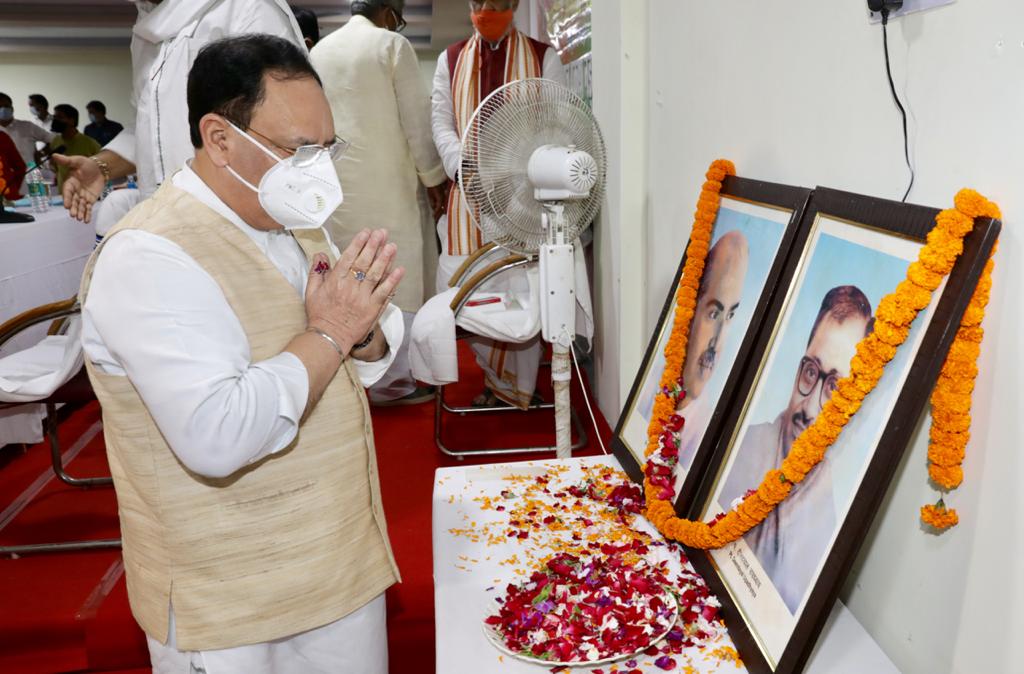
(502, 134)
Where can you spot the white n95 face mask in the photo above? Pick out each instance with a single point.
(299, 192)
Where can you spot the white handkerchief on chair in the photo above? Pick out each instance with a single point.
(36, 372)
(433, 354)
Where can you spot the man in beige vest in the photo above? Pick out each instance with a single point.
(229, 343)
(381, 106)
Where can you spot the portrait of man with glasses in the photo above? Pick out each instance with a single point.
(789, 544)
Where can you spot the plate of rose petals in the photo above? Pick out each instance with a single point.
(581, 612)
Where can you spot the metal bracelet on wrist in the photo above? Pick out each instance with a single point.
(366, 342)
(105, 170)
(330, 340)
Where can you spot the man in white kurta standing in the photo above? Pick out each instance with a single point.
(228, 343)
(165, 39)
(467, 72)
(373, 83)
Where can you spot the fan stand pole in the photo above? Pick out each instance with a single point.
(558, 310)
(561, 373)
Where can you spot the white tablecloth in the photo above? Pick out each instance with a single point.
(466, 565)
(40, 262)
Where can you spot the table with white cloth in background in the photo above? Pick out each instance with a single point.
(40, 262)
(466, 569)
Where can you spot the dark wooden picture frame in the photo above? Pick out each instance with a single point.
(902, 220)
(760, 193)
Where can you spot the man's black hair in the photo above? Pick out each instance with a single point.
(227, 77)
(5, 97)
(842, 302)
(97, 106)
(308, 23)
(69, 111)
(39, 99)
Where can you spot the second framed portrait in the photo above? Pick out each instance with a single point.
(778, 581)
(752, 236)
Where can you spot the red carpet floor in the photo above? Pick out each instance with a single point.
(68, 612)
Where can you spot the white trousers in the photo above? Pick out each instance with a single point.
(355, 644)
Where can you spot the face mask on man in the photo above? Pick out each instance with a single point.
(92, 118)
(58, 126)
(6, 114)
(492, 24)
(35, 111)
(299, 192)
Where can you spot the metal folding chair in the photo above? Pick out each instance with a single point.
(484, 272)
(76, 390)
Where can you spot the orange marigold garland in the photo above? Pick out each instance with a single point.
(895, 313)
(939, 516)
(951, 399)
(662, 447)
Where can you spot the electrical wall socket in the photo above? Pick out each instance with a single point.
(909, 6)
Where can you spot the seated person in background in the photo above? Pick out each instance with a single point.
(24, 133)
(65, 125)
(99, 128)
(13, 170)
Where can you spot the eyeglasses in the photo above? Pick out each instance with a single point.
(809, 376)
(306, 155)
(401, 21)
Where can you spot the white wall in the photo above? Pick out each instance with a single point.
(70, 76)
(796, 93)
(79, 76)
(620, 65)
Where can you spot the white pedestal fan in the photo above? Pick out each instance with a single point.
(533, 174)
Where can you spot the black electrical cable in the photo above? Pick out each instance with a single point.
(892, 87)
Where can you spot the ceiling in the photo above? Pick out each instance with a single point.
(73, 24)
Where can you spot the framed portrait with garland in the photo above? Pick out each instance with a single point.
(754, 230)
(845, 289)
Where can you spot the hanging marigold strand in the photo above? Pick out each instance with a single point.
(686, 303)
(951, 399)
(895, 313)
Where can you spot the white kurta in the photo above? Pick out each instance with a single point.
(449, 145)
(793, 539)
(26, 136)
(372, 80)
(442, 108)
(155, 315)
(511, 373)
(165, 41)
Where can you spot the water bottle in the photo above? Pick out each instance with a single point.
(38, 191)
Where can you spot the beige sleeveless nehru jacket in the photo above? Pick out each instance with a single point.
(290, 543)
